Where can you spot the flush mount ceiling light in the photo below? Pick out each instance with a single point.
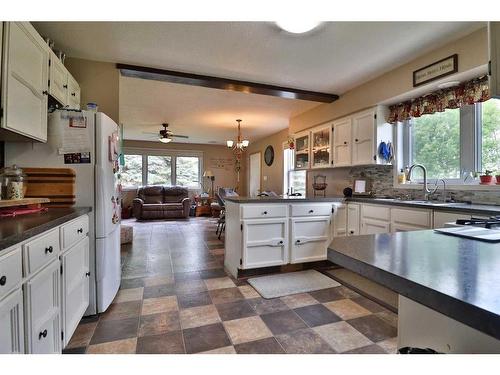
(448, 84)
(297, 26)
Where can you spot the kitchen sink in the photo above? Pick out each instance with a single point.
(423, 202)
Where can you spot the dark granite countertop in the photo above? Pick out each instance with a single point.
(19, 228)
(455, 276)
(478, 209)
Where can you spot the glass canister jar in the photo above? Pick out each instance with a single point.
(13, 183)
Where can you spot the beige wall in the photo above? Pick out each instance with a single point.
(223, 178)
(472, 53)
(99, 83)
(274, 173)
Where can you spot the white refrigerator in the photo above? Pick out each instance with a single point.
(97, 186)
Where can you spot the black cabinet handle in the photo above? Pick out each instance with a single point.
(42, 334)
(298, 241)
(65, 86)
(356, 140)
(87, 274)
(352, 232)
(311, 211)
(264, 213)
(281, 242)
(3, 280)
(45, 92)
(73, 94)
(49, 249)
(345, 142)
(80, 230)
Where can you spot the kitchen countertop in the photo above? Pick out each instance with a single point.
(19, 228)
(455, 276)
(478, 209)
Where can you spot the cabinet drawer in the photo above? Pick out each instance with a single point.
(375, 212)
(311, 210)
(10, 271)
(419, 218)
(254, 211)
(74, 231)
(41, 251)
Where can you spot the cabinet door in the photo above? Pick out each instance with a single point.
(321, 147)
(302, 150)
(340, 220)
(25, 81)
(73, 99)
(363, 147)
(353, 212)
(265, 243)
(342, 142)
(309, 239)
(373, 226)
(75, 286)
(441, 218)
(11, 324)
(58, 80)
(42, 311)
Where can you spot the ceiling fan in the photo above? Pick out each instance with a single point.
(165, 135)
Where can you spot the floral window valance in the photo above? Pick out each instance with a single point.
(474, 91)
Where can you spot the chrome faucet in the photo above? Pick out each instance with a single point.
(427, 192)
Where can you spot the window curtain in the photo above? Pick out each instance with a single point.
(474, 91)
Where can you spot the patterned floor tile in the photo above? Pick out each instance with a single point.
(389, 317)
(369, 304)
(162, 290)
(226, 295)
(190, 287)
(219, 283)
(123, 310)
(304, 341)
(131, 283)
(390, 345)
(167, 343)
(373, 327)
(193, 300)
(235, 310)
(113, 330)
(199, 316)
(248, 291)
(247, 329)
(299, 300)
(370, 349)
(223, 350)
(156, 324)
(159, 305)
(158, 280)
(347, 309)
(267, 306)
(214, 273)
(316, 315)
(127, 295)
(202, 339)
(342, 337)
(283, 321)
(327, 295)
(127, 346)
(82, 335)
(264, 346)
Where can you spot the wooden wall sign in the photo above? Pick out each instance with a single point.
(439, 69)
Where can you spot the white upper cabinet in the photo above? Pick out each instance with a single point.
(302, 152)
(363, 128)
(58, 80)
(73, 98)
(321, 147)
(342, 134)
(25, 69)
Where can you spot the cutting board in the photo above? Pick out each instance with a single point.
(57, 184)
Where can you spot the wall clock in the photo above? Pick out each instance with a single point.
(269, 155)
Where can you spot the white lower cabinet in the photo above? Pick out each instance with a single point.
(409, 219)
(265, 243)
(339, 220)
(374, 226)
(309, 239)
(12, 323)
(43, 305)
(353, 218)
(75, 286)
(375, 219)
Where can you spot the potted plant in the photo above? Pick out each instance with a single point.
(487, 177)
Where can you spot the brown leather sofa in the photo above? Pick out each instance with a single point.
(161, 202)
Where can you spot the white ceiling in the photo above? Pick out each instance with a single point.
(333, 58)
(205, 115)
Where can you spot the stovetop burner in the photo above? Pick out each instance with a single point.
(490, 223)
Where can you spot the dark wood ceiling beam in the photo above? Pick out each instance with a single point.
(223, 83)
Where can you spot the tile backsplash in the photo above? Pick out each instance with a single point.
(381, 177)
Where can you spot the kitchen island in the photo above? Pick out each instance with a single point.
(449, 295)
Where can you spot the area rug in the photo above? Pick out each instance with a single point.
(285, 284)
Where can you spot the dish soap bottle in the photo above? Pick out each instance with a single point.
(402, 176)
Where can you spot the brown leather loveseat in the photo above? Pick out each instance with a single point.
(161, 202)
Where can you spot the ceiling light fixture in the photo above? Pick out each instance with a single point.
(165, 139)
(297, 26)
(241, 144)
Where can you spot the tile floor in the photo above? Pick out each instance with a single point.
(176, 298)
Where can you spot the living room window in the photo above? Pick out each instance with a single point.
(145, 167)
(455, 143)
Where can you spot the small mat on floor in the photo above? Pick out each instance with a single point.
(285, 284)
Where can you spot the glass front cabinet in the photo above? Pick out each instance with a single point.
(302, 150)
(321, 147)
